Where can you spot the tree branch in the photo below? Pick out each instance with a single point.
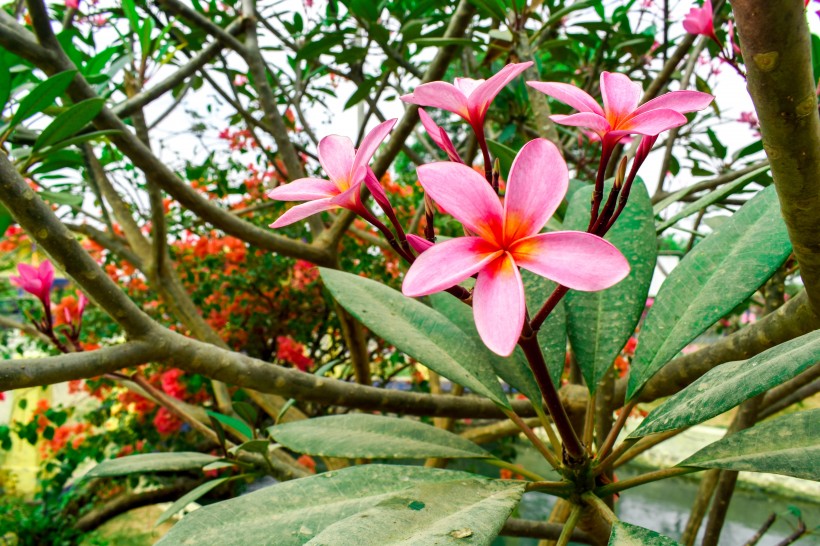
(776, 45)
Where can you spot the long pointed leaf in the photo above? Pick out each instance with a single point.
(716, 276)
(789, 445)
(728, 385)
(359, 435)
(600, 323)
(417, 330)
(368, 504)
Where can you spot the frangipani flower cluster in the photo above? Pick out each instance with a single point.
(508, 236)
(501, 235)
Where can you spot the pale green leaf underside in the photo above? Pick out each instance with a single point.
(728, 385)
(788, 445)
(626, 534)
(361, 435)
(417, 330)
(151, 462)
(600, 323)
(369, 505)
(716, 276)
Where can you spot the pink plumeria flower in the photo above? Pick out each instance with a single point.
(508, 237)
(37, 281)
(700, 21)
(467, 98)
(621, 114)
(439, 136)
(72, 4)
(76, 318)
(346, 169)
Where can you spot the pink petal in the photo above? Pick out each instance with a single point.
(46, 273)
(419, 244)
(481, 97)
(621, 95)
(583, 119)
(467, 85)
(304, 189)
(466, 195)
(569, 94)
(376, 189)
(537, 184)
(351, 198)
(447, 264)
(439, 95)
(303, 211)
(370, 144)
(439, 136)
(679, 101)
(336, 155)
(499, 306)
(650, 123)
(581, 261)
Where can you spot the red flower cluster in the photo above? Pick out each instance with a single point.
(293, 352)
(166, 422)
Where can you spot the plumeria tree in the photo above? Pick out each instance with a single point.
(256, 297)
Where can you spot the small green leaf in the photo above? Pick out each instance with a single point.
(151, 462)
(441, 42)
(503, 153)
(367, 504)
(5, 220)
(361, 92)
(600, 323)
(712, 197)
(714, 278)
(788, 445)
(191, 496)
(5, 84)
(61, 198)
(42, 96)
(726, 386)
(69, 122)
(417, 330)
(626, 534)
(232, 422)
(252, 446)
(359, 435)
(79, 139)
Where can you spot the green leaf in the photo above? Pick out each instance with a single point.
(5, 84)
(711, 198)
(61, 198)
(366, 9)
(788, 445)
(417, 330)
(552, 337)
(42, 96)
(151, 462)
(512, 369)
(69, 122)
(368, 504)
(79, 139)
(191, 496)
(626, 534)
(441, 42)
(361, 92)
(5, 220)
(726, 386)
(492, 8)
(360, 435)
(238, 425)
(714, 278)
(600, 323)
(503, 153)
(131, 14)
(252, 446)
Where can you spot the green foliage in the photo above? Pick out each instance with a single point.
(716, 276)
(151, 462)
(788, 445)
(365, 436)
(417, 330)
(726, 386)
(370, 504)
(624, 534)
(600, 323)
